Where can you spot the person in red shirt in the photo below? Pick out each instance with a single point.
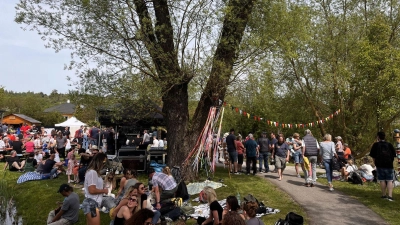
(10, 136)
(347, 151)
(240, 152)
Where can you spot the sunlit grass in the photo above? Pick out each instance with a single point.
(35, 199)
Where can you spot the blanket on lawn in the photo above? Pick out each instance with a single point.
(196, 188)
(203, 210)
(28, 176)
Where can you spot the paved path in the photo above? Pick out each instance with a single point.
(322, 206)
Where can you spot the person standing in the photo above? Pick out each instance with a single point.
(240, 152)
(311, 151)
(339, 146)
(346, 151)
(263, 148)
(272, 143)
(94, 189)
(61, 142)
(281, 154)
(327, 153)
(383, 154)
(68, 213)
(251, 154)
(231, 148)
(298, 156)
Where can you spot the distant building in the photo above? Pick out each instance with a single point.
(18, 119)
(67, 109)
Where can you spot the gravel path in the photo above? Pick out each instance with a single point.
(322, 206)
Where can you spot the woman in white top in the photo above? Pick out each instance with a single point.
(94, 189)
(327, 153)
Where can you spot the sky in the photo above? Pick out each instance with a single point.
(25, 64)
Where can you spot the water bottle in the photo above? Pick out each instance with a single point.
(238, 197)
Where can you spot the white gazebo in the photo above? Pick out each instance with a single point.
(73, 123)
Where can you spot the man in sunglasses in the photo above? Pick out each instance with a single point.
(166, 183)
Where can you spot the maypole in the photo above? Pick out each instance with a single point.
(205, 153)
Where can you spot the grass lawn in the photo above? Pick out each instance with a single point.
(369, 194)
(35, 199)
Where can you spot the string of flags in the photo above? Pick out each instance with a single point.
(279, 124)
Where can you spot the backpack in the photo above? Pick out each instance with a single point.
(291, 219)
(356, 178)
(182, 191)
(384, 155)
(176, 174)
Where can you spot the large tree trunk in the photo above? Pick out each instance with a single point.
(176, 113)
(225, 56)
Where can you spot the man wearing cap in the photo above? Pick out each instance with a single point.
(166, 183)
(68, 213)
(311, 151)
(263, 148)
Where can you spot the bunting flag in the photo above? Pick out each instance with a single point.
(279, 124)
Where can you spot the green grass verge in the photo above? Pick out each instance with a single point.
(369, 194)
(35, 199)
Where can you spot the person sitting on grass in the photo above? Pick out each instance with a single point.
(347, 170)
(127, 211)
(216, 210)
(233, 218)
(367, 170)
(132, 191)
(14, 162)
(50, 166)
(142, 217)
(250, 211)
(232, 205)
(68, 213)
(31, 163)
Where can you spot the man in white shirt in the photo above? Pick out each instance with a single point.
(155, 142)
(161, 143)
(38, 157)
(366, 170)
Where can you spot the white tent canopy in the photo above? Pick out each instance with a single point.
(71, 122)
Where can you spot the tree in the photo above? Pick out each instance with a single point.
(168, 41)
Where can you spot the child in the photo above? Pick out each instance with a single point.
(75, 171)
(110, 183)
(71, 165)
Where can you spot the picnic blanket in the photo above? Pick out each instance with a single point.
(203, 210)
(196, 188)
(28, 176)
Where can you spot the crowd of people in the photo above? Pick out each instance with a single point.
(306, 154)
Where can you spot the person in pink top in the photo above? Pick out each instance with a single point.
(240, 152)
(30, 146)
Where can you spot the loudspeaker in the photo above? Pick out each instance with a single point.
(124, 152)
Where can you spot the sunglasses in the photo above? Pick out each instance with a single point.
(141, 188)
(132, 199)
